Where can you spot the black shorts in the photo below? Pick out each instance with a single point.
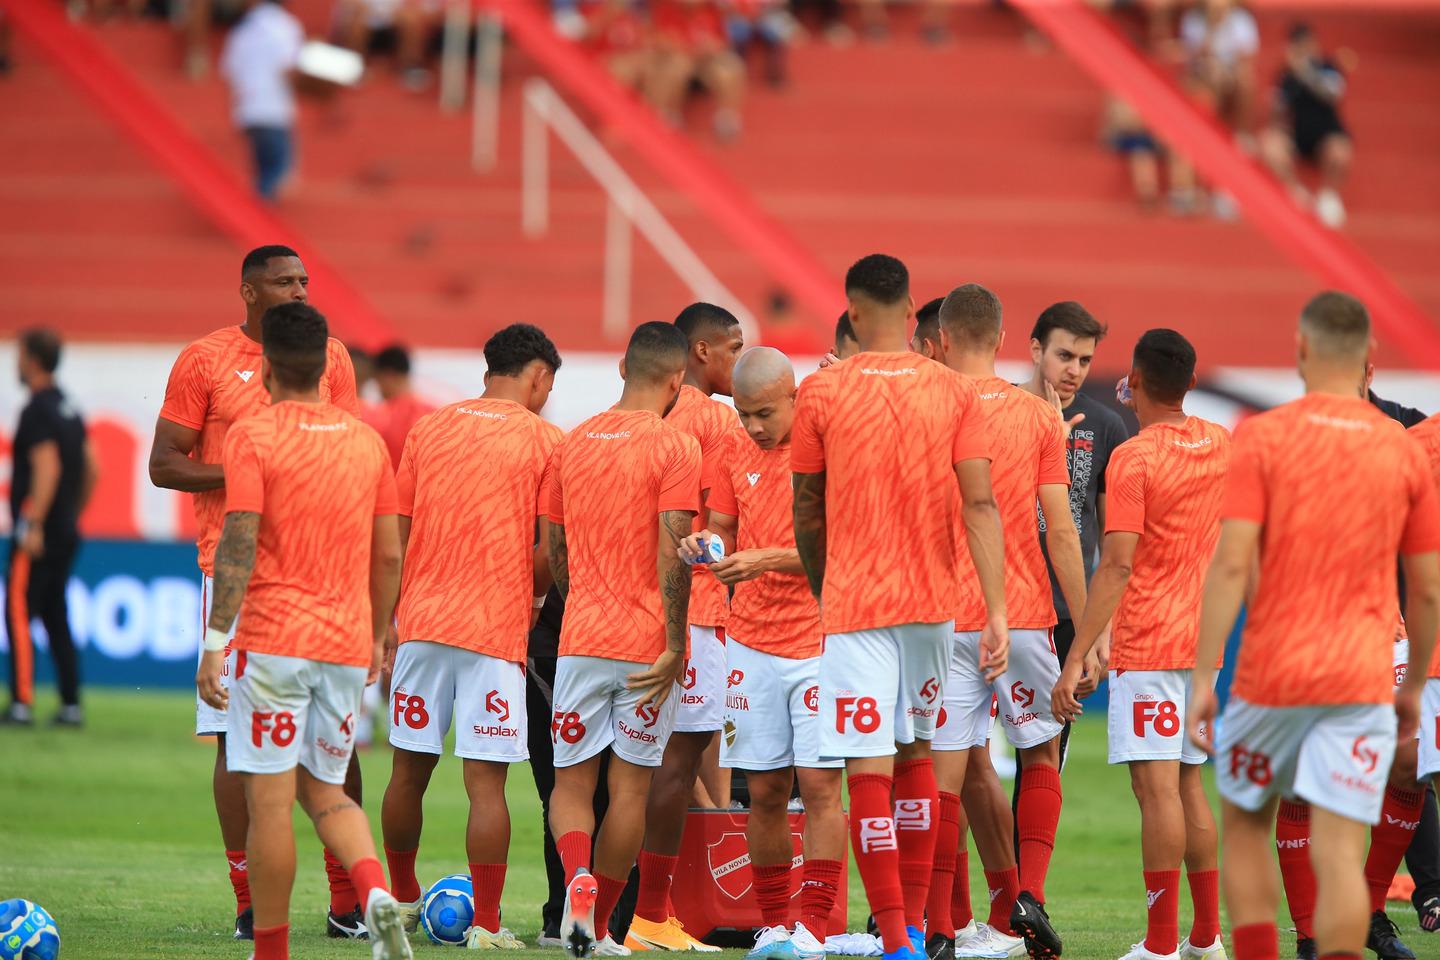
(1309, 137)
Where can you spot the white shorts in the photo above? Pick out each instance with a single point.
(772, 711)
(434, 681)
(208, 720)
(1147, 716)
(286, 711)
(1020, 696)
(1401, 661)
(594, 710)
(702, 686)
(881, 687)
(1336, 757)
(1429, 730)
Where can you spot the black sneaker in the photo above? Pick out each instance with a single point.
(245, 924)
(1305, 948)
(940, 947)
(1029, 920)
(69, 716)
(1384, 939)
(18, 715)
(1427, 911)
(346, 926)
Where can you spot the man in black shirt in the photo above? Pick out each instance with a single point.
(52, 475)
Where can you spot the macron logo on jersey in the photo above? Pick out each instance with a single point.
(592, 435)
(873, 372)
(470, 411)
(245, 375)
(754, 478)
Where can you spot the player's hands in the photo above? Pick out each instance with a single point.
(828, 360)
(740, 566)
(1053, 397)
(1407, 712)
(387, 663)
(207, 679)
(656, 683)
(994, 650)
(1094, 673)
(377, 661)
(1064, 701)
(1200, 717)
(33, 540)
(692, 548)
(1102, 648)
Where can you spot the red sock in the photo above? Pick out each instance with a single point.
(819, 885)
(1292, 846)
(610, 890)
(1004, 888)
(1390, 838)
(960, 910)
(1254, 941)
(239, 879)
(367, 875)
(1162, 928)
(272, 943)
(772, 893)
(1038, 818)
(657, 872)
(342, 891)
(917, 800)
(574, 850)
(402, 874)
(877, 855)
(488, 880)
(942, 878)
(1205, 897)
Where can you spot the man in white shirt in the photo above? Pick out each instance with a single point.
(260, 55)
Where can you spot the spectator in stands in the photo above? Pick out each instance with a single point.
(766, 24)
(4, 45)
(1306, 123)
(692, 47)
(400, 407)
(1127, 135)
(259, 56)
(401, 27)
(619, 35)
(1219, 40)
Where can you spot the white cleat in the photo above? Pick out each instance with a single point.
(478, 938)
(806, 944)
(1216, 950)
(971, 941)
(387, 928)
(549, 943)
(609, 948)
(772, 943)
(410, 915)
(1330, 209)
(1138, 952)
(577, 921)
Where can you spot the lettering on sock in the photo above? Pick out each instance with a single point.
(877, 834)
(912, 815)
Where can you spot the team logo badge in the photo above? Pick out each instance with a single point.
(729, 862)
(497, 705)
(1367, 758)
(754, 478)
(244, 375)
(736, 678)
(729, 731)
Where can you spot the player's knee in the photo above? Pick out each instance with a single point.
(769, 792)
(918, 750)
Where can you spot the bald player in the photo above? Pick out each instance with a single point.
(772, 723)
(1313, 709)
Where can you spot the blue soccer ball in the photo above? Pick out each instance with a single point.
(27, 932)
(448, 909)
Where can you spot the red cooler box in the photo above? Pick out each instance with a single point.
(714, 892)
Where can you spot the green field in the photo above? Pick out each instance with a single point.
(112, 830)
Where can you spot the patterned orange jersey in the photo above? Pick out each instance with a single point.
(774, 613)
(1165, 484)
(1028, 443)
(473, 477)
(1322, 624)
(887, 429)
(711, 423)
(215, 382)
(318, 477)
(1427, 434)
(614, 475)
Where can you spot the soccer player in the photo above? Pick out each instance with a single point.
(846, 344)
(926, 340)
(1027, 441)
(1310, 712)
(626, 489)
(473, 479)
(883, 428)
(715, 341)
(216, 382)
(772, 723)
(310, 544)
(1163, 520)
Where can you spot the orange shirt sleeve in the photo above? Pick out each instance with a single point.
(187, 393)
(680, 475)
(1125, 492)
(972, 440)
(1245, 484)
(722, 490)
(807, 433)
(386, 501)
(1052, 456)
(1422, 526)
(405, 479)
(342, 379)
(557, 488)
(547, 477)
(244, 472)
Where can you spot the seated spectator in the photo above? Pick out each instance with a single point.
(766, 24)
(1307, 124)
(1219, 40)
(617, 33)
(400, 27)
(1125, 132)
(693, 49)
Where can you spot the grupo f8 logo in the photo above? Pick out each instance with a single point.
(1163, 716)
(863, 713)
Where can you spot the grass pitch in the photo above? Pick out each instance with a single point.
(112, 829)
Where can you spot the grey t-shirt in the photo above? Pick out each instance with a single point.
(1087, 454)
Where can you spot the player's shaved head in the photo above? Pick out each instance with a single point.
(700, 321)
(1165, 361)
(656, 352)
(294, 338)
(256, 260)
(1336, 326)
(972, 317)
(879, 278)
(760, 369)
(927, 328)
(765, 395)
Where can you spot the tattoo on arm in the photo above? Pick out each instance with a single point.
(675, 526)
(810, 527)
(234, 562)
(559, 559)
